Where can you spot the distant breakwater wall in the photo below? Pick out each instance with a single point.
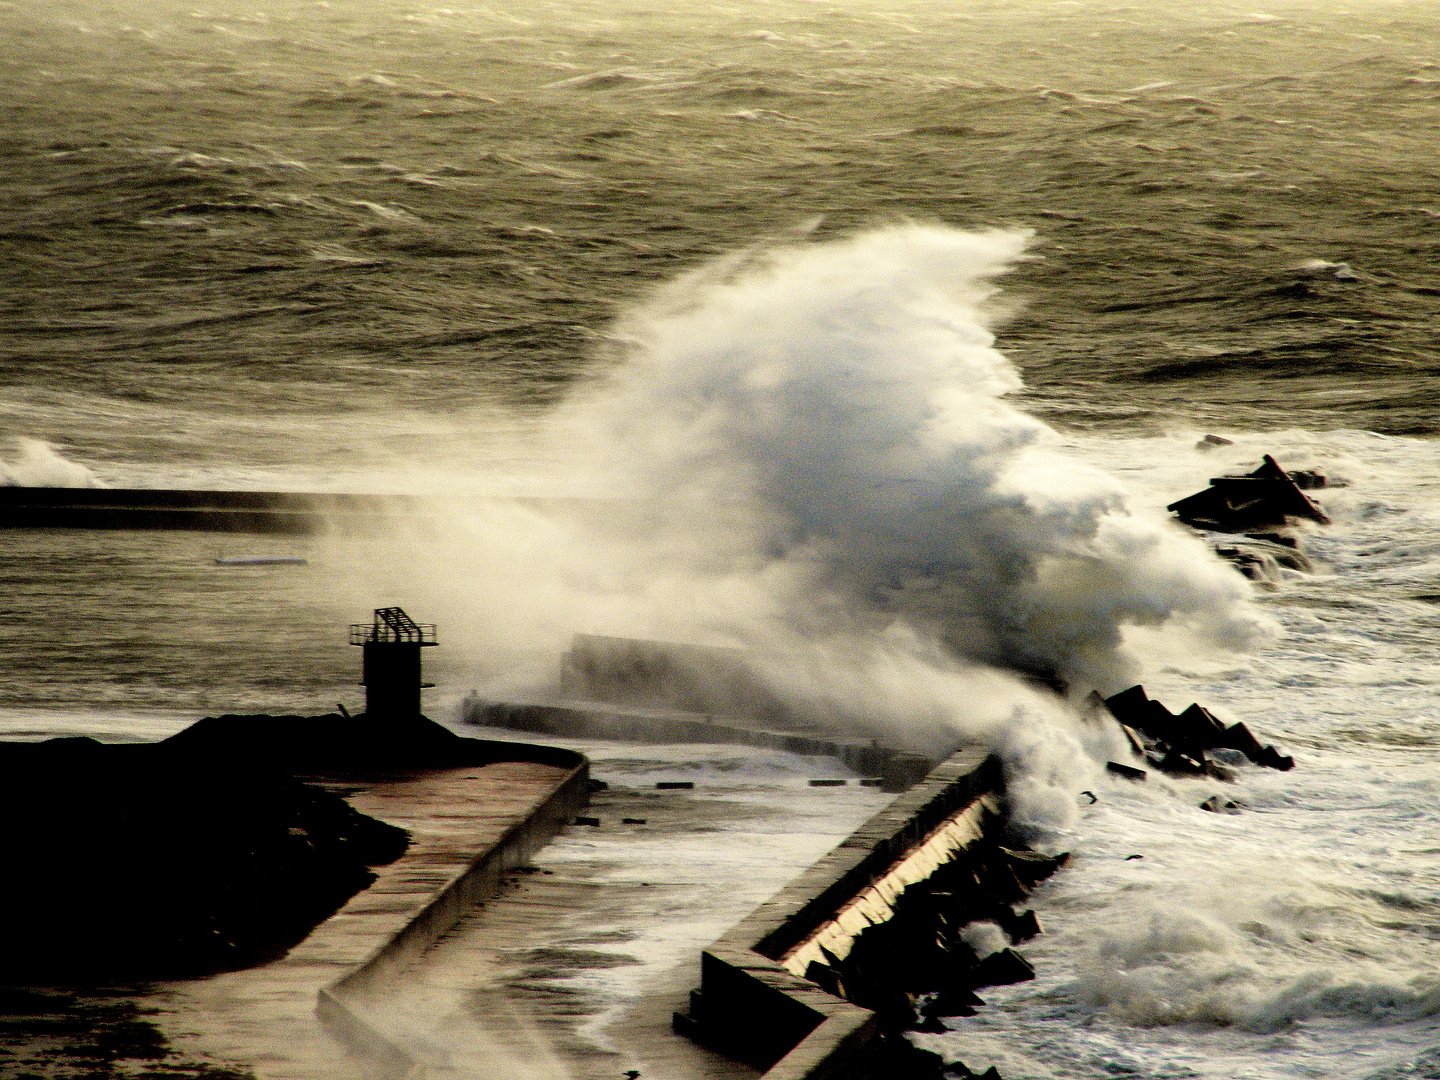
(754, 1004)
(342, 1006)
(279, 513)
(896, 770)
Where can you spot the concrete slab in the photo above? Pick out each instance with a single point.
(575, 969)
(263, 1019)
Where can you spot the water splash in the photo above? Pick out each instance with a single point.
(822, 468)
(38, 464)
(852, 392)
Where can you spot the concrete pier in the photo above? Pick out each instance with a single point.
(753, 1004)
(467, 827)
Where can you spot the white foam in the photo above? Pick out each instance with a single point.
(1296, 936)
(39, 464)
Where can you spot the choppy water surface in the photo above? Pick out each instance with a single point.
(1300, 936)
(324, 209)
(363, 245)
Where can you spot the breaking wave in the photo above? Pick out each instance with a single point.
(852, 391)
(833, 480)
(38, 464)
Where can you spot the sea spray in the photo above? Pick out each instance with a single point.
(38, 464)
(819, 466)
(852, 390)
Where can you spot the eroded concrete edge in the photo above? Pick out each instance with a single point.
(752, 1007)
(341, 1005)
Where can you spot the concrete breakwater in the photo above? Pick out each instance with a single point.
(776, 991)
(471, 826)
(419, 764)
(759, 1002)
(822, 979)
(636, 690)
(891, 769)
(167, 860)
(279, 513)
(347, 1005)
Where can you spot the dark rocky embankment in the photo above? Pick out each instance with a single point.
(923, 962)
(166, 860)
(926, 962)
(198, 854)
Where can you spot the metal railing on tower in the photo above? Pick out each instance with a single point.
(391, 662)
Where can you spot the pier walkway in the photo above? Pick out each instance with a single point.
(263, 1019)
(575, 969)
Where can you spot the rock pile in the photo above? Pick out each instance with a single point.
(1268, 498)
(927, 960)
(1259, 508)
(1182, 744)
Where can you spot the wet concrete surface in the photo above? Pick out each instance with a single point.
(575, 968)
(263, 1019)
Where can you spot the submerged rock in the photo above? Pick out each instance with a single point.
(1216, 805)
(1003, 968)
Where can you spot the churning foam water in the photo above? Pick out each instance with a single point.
(1301, 935)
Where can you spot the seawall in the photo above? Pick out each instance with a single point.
(753, 1003)
(894, 770)
(281, 513)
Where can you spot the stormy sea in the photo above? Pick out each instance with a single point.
(881, 334)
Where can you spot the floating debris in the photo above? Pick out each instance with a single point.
(260, 560)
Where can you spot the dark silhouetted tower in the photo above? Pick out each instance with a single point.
(391, 662)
